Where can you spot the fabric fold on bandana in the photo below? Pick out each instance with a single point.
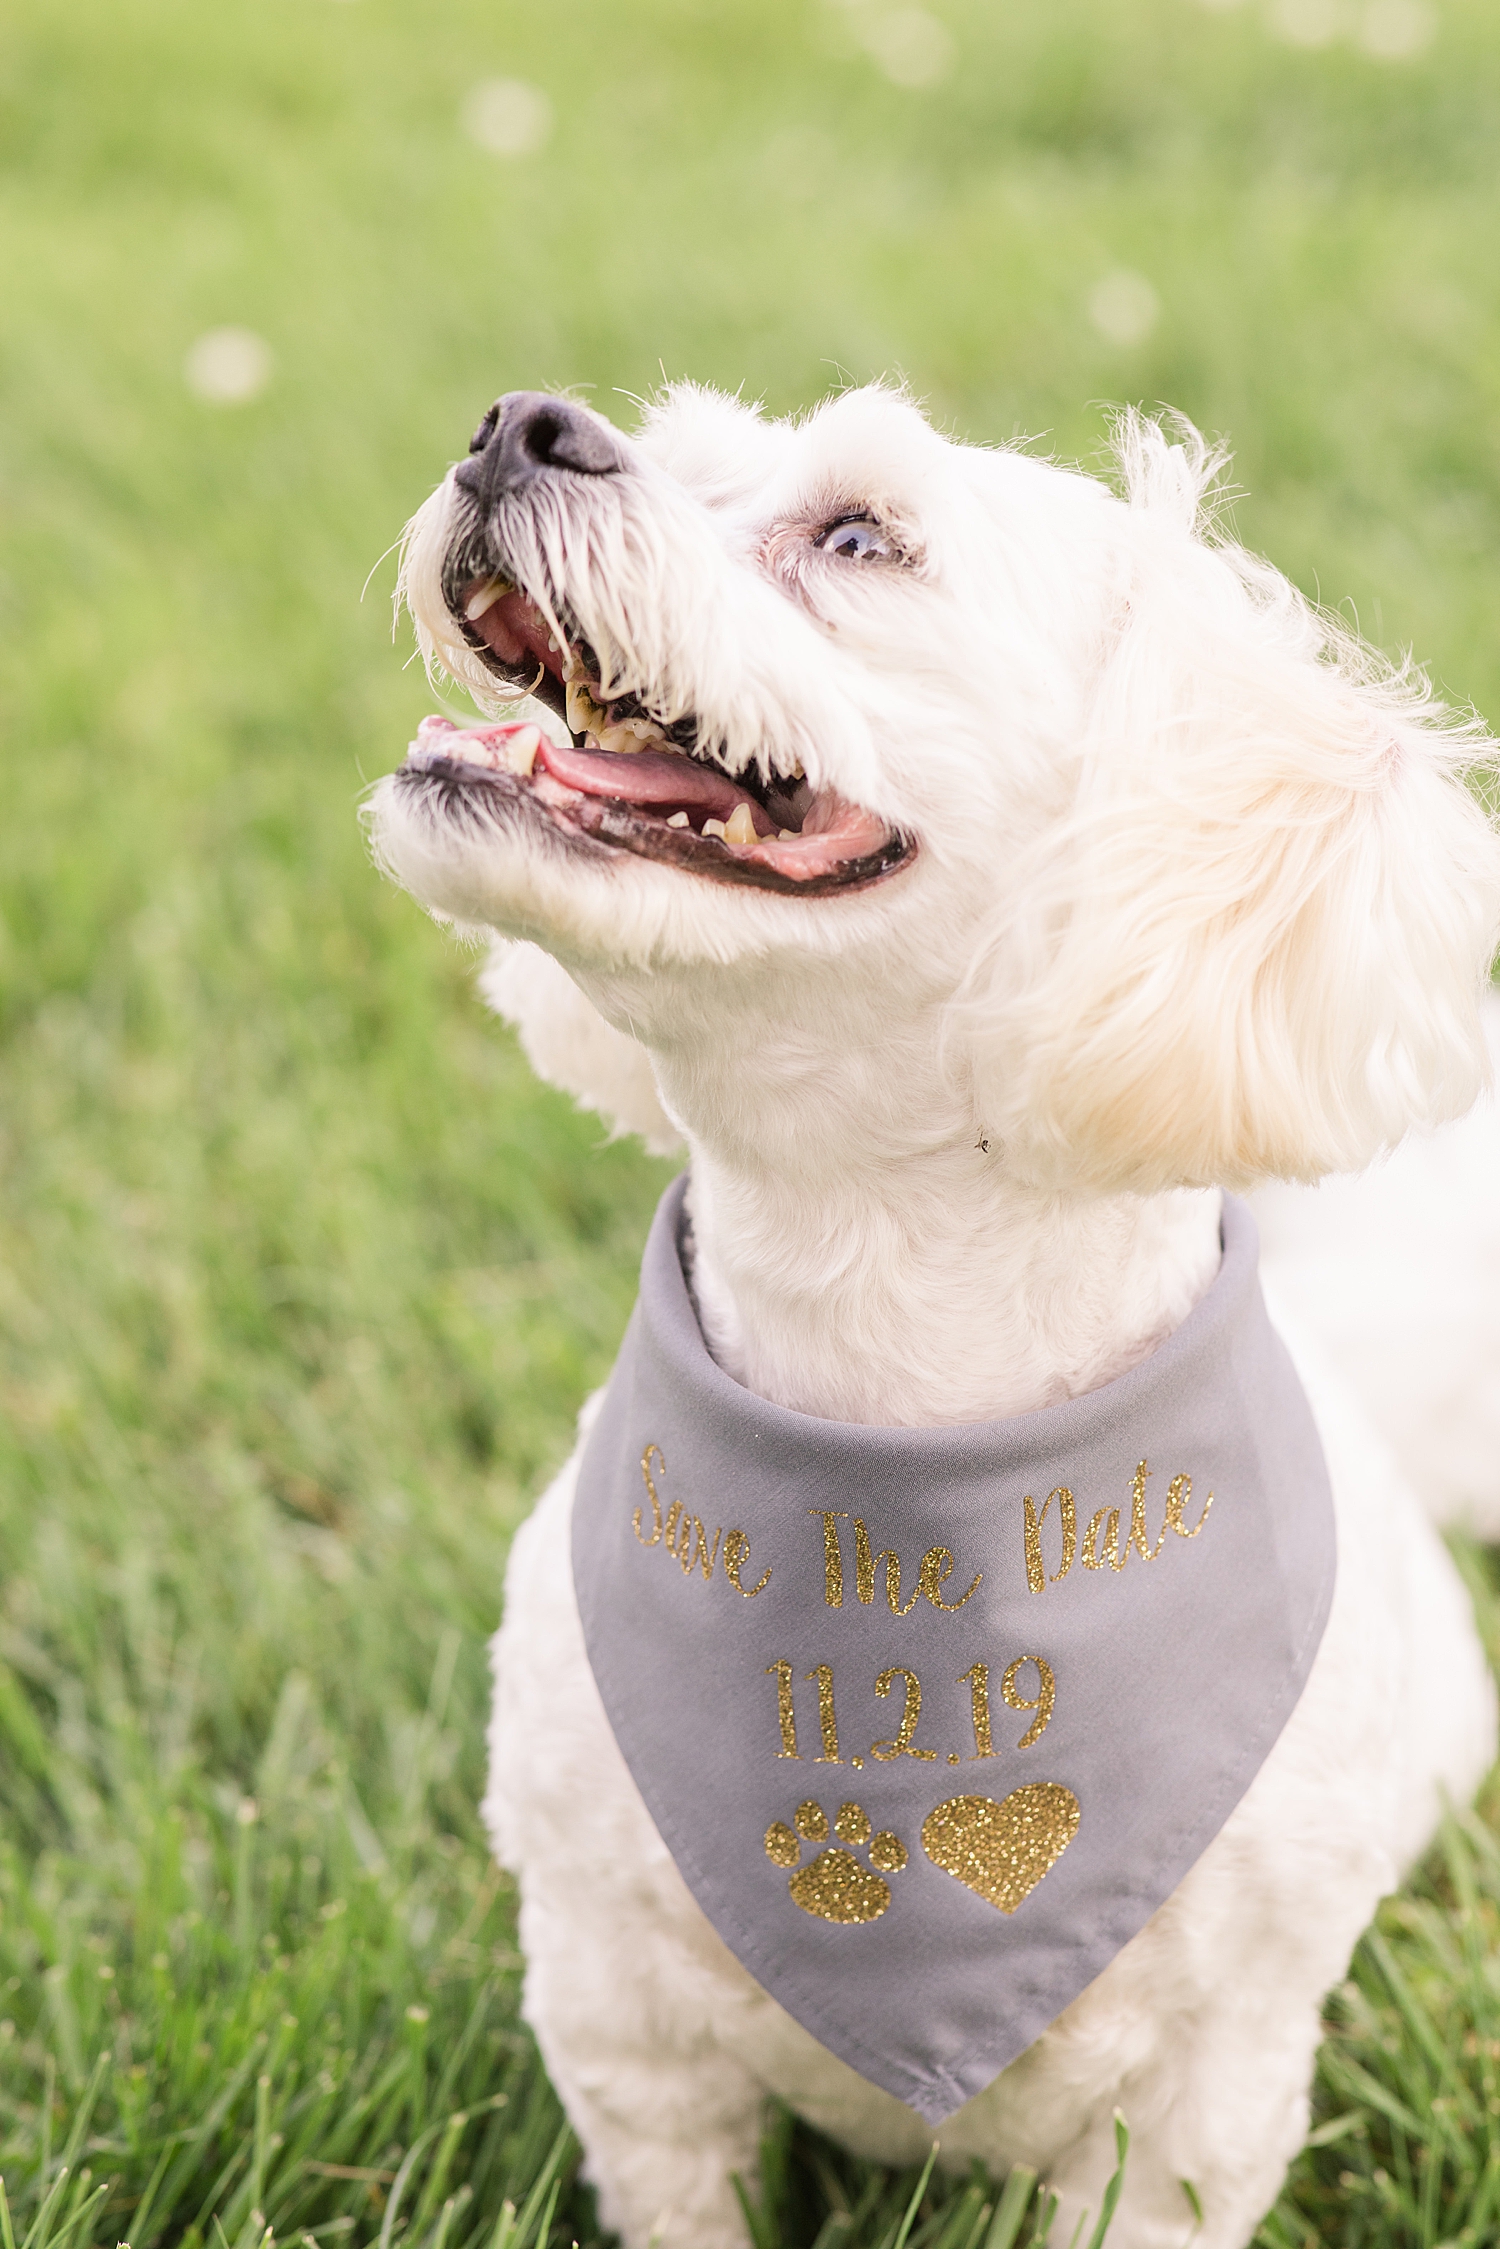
(933, 1720)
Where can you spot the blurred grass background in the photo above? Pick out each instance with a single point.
(302, 1277)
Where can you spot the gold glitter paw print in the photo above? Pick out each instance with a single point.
(834, 1885)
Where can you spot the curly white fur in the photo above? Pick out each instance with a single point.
(1398, 1273)
(1199, 899)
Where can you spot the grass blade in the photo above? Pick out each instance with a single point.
(546, 2185)
(1010, 2210)
(917, 2192)
(1116, 2183)
(1045, 2215)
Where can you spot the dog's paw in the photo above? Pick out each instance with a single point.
(834, 1885)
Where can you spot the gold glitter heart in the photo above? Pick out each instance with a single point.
(1001, 1851)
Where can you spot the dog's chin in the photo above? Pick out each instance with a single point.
(629, 781)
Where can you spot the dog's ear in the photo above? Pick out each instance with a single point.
(569, 1044)
(1256, 945)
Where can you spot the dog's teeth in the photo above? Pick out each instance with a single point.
(486, 598)
(623, 741)
(584, 714)
(678, 820)
(740, 828)
(713, 828)
(521, 750)
(795, 773)
(786, 835)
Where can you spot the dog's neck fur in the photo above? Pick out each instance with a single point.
(858, 1256)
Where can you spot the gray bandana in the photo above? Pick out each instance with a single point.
(933, 1720)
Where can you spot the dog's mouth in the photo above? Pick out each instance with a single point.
(630, 781)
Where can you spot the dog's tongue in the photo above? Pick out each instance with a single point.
(651, 778)
(834, 832)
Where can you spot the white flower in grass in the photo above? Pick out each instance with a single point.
(1395, 30)
(1308, 23)
(912, 48)
(1124, 307)
(228, 366)
(507, 117)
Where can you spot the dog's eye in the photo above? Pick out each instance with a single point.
(856, 538)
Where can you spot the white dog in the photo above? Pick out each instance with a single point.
(977, 870)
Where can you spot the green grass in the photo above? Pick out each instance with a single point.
(302, 1278)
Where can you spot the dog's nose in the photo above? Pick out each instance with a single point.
(528, 434)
